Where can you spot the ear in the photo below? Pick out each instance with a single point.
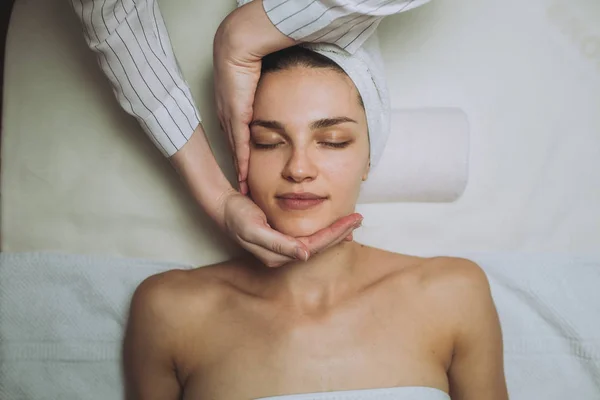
(367, 169)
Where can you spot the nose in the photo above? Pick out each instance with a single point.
(300, 166)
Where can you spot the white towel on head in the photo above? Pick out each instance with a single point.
(365, 69)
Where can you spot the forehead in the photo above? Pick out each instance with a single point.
(306, 93)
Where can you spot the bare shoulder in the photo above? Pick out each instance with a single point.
(446, 281)
(166, 296)
(459, 289)
(454, 290)
(453, 281)
(454, 274)
(449, 273)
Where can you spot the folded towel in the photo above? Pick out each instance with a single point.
(62, 319)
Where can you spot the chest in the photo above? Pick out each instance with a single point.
(257, 352)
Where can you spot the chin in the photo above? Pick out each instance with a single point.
(298, 226)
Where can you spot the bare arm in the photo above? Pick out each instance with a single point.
(149, 345)
(477, 368)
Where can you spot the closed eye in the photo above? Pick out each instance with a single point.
(264, 146)
(335, 145)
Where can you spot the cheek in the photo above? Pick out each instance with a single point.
(255, 182)
(262, 175)
(344, 177)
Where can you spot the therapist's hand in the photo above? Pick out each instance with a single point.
(237, 214)
(247, 225)
(242, 40)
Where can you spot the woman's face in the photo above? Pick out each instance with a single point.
(309, 148)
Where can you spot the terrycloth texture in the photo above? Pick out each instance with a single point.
(61, 322)
(397, 393)
(62, 318)
(365, 69)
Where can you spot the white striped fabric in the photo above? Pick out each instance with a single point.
(135, 53)
(344, 23)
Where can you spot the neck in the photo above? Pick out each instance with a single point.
(319, 282)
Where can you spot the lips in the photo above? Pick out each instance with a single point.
(299, 201)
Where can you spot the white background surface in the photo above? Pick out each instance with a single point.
(79, 175)
(527, 74)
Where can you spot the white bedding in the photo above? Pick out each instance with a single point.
(62, 318)
(80, 177)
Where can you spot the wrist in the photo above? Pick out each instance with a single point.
(249, 31)
(198, 168)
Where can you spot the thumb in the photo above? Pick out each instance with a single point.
(241, 139)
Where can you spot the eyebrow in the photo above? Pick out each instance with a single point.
(318, 124)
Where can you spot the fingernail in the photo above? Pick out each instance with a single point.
(243, 187)
(301, 254)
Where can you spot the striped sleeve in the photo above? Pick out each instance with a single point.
(345, 23)
(135, 53)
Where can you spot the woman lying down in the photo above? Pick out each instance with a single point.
(353, 322)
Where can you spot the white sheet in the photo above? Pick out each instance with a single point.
(62, 318)
(79, 176)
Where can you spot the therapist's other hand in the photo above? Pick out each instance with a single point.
(243, 38)
(246, 223)
(235, 84)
